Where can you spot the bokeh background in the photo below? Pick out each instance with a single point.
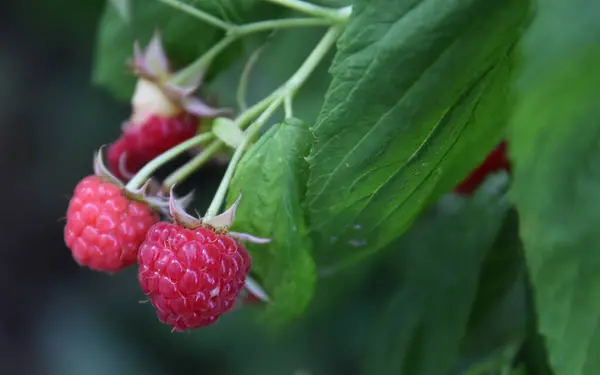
(59, 319)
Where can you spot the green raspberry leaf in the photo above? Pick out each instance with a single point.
(555, 149)
(422, 330)
(419, 96)
(502, 273)
(272, 178)
(185, 37)
(497, 322)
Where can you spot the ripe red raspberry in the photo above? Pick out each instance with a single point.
(142, 143)
(496, 161)
(164, 112)
(191, 276)
(104, 227)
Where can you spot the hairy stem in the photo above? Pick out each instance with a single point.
(234, 32)
(274, 101)
(288, 106)
(245, 76)
(192, 166)
(195, 12)
(311, 62)
(337, 15)
(252, 131)
(200, 65)
(146, 172)
(285, 23)
(269, 105)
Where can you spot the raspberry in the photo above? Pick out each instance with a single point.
(164, 112)
(494, 162)
(191, 276)
(142, 143)
(104, 227)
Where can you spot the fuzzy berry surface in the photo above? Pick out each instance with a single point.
(191, 276)
(496, 161)
(104, 228)
(142, 143)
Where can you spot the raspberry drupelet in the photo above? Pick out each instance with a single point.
(193, 270)
(105, 226)
(164, 112)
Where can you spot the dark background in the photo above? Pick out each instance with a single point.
(57, 318)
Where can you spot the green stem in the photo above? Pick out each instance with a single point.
(245, 77)
(292, 85)
(251, 113)
(263, 110)
(311, 62)
(279, 24)
(146, 172)
(200, 65)
(190, 167)
(288, 106)
(275, 100)
(234, 33)
(193, 165)
(337, 15)
(252, 131)
(195, 12)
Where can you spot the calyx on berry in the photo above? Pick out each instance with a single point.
(158, 93)
(150, 193)
(220, 224)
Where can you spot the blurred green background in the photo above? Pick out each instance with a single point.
(59, 319)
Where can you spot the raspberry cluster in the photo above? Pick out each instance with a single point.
(192, 270)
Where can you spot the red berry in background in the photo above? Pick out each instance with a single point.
(191, 276)
(164, 112)
(496, 161)
(104, 227)
(140, 144)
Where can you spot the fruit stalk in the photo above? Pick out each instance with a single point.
(337, 15)
(195, 12)
(234, 32)
(278, 97)
(193, 165)
(280, 24)
(252, 131)
(242, 122)
(146, 172)
(202, 63)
